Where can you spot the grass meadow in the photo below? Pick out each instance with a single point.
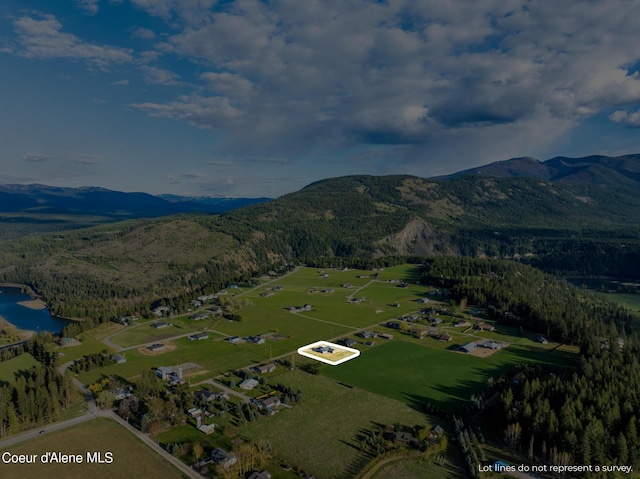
(17, 365)
(321, 432)
(131, 458)
(415, 374)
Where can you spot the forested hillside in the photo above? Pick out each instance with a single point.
(127, 267)
(586, 416)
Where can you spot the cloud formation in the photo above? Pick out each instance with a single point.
(43, 38)
(36, 157)
(402, 73)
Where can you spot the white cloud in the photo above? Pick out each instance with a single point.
(628, 118)
(203, 112)
(36, 157)
(42, 38)
(124, 82)
(159, 76)
(143, 33)
(90, 7)
(429, 74)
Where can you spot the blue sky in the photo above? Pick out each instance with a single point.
(259, 98)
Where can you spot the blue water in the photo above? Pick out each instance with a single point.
(26, 318)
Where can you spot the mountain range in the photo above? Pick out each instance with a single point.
(590, 170)
(573, 227)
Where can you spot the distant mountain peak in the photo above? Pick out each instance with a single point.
(595, 169)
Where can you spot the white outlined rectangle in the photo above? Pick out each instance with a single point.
(319, 348)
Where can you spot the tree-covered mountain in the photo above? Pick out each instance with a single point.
(26, 209)
(128, 266)
(590, 170)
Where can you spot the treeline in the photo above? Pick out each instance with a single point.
(38, 395)
(517, 294)
(91, 362)
(589, 417)
(40, 346)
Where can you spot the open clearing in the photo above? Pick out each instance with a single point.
(17, 365)
(131, 458)
(416, 374)
(320, 433)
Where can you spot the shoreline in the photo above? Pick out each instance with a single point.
(36, 302)
(13, 329)
(24, 287)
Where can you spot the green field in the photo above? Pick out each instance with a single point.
(631, 301)
(320, 433)
(88, 345)
(9, 369)
(131, 458)
(416, 374)
(144, 333)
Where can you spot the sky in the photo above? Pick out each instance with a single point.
(259, 98)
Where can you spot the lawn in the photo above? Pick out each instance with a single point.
(8, 369)
(631, 301)
(415, 374)
(131, 458)
(88, 345)
(320, 433)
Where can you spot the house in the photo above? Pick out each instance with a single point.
(223, 458)
(121, 394)
(195, 303)
(444, 337)
(198, 336)
(194, 412)
(491, 344)
(266, 294)
(323, 349)
(160, 310)
(248, 384)
(199, 316)
(436, 432)
(327, 290)
(164, 372)
(367, 334)
(404, 438)
(436, 321)
(119, 359)
(346, 285)
(260, 475)
(386, 336)
(467, 348)
(420, 333)
(393, 325)
(461, 323)
(349, 342)
(395, 305)
(265, 368)
(255, 340)
(268, 403)
(541, 339)
(484, 326)
(369, 343)
(156, 347)
(235, 340)
(277, 288)
(160, 325)
(423, 300)
(207, 428)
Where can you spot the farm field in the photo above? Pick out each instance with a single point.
(414, 374)
(88, 345)
(9, 369)
(131, 458)
(320, 433)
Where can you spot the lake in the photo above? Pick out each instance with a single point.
(27, 318)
